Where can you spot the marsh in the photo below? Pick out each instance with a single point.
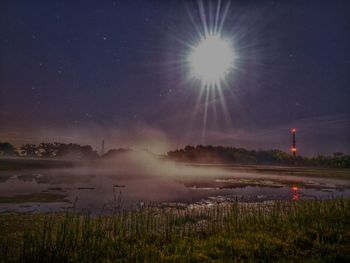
(125, 182)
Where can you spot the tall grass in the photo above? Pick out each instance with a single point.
(277, 231)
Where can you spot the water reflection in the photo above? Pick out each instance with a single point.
(95, 189)
(295, 191)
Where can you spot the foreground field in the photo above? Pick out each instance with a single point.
(314, 231)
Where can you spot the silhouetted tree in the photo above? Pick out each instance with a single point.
(59, 150)
(30, 150)
(74, 151)
(219, 154)
(115, 152)
(47, 149)
(7, 149)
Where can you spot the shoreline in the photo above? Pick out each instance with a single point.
(16, 164)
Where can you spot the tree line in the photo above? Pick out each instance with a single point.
(197, 154)
(221, 154)
(57, 150)
(49, 150)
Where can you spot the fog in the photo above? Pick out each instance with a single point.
(129, 178)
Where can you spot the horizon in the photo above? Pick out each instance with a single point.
(140, 149)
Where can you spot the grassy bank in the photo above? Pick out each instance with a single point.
(18, 164)
(314, 231)
(33, 198)
(15, 164)
(341, 173)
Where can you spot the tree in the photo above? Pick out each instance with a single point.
(30, 150)
(47, 149)
(75, 151)
(87, 152)
(115, 152)
(7, 149)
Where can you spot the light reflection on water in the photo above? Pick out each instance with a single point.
(99, 190)
(295, 191)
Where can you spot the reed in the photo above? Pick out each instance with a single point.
(284, 231)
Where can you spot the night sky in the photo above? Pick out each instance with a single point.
(83, 71)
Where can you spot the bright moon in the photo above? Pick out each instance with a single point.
(211, 60)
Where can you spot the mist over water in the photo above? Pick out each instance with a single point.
(132, 178)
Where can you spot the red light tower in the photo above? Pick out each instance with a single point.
(294, 147)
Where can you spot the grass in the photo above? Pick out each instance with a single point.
(33, 198)
(306, 171)
(283, 231)
(342, 173)
(15, 164)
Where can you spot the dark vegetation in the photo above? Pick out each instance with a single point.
(26, 163)
(220, 154)
(59, 150)
(193, 154)
(282, 231)
(7, 149)
(33, 198)
(115, 152)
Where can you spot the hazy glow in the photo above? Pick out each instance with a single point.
(211, 59)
